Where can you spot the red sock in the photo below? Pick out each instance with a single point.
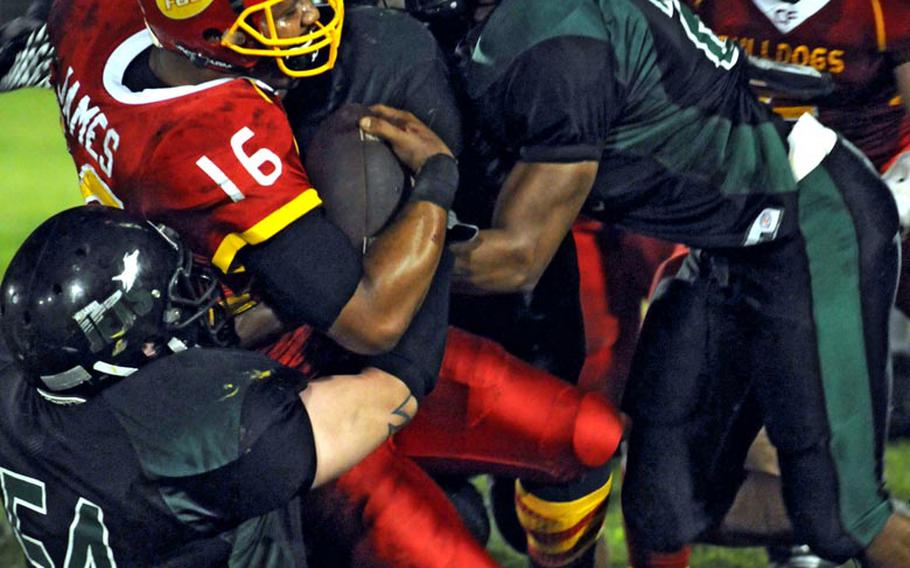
(640, 558)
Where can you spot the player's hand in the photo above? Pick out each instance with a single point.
(256, 326)
(411, 140)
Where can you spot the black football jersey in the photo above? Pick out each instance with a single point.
(385, 57)
(686, 152)
(195, 460)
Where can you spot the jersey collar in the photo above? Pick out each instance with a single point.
(120, 59)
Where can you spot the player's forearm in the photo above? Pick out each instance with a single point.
(534, 212)
(352, 415)
(399, 265)
(496, 262)
(398, 269)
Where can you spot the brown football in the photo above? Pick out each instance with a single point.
(360, 180)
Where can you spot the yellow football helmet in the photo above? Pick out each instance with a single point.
(236, 35)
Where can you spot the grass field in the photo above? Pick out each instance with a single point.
(39, 179)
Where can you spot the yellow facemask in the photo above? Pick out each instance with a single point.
(326, 36)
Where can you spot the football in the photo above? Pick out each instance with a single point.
(360, 180)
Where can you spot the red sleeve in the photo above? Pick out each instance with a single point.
(230, 175)
(896, 24)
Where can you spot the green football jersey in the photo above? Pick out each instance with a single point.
(686, 151)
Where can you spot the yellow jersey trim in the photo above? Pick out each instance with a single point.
(262, 93)
(264, 229)
(94, 189)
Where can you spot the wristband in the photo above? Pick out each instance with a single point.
(436, 181)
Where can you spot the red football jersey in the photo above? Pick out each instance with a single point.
(216, 161)
(857, 41)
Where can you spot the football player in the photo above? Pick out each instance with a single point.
(123, 443)
(172, 111)
(865, 47)
(217, 159)
(647, 116)
(614, 269)
(183, 100)
(560, 457)
(410, 72)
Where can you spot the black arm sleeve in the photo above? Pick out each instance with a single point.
(276, 458)
(307, 272)
(221, 433)
(418, 356)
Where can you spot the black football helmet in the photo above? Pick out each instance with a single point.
(94, 293)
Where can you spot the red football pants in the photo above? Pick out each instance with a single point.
(493, 413)
(490, 412)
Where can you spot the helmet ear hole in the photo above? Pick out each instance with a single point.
(57, 289)
(80, 252)
(212, 35)
(26, 318)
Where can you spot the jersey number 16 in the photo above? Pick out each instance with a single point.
(253, 163)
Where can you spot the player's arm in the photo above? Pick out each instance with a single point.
(368, 306)
(401, 262)
(534, 212)
(274, 436)
(397, 270)
(558, 149)
(351, 415)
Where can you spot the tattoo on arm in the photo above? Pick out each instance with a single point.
(401, 416)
